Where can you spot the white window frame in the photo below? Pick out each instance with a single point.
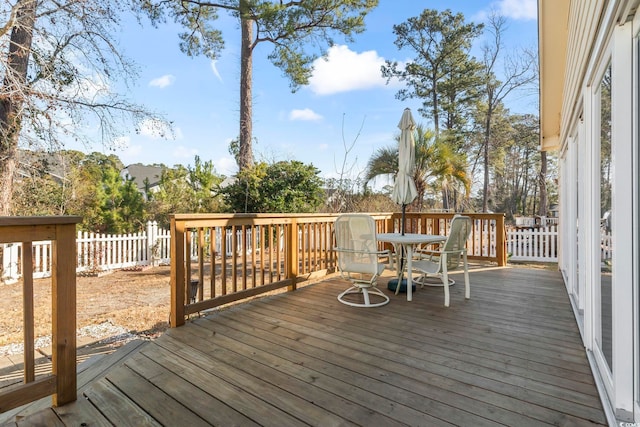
(592, 221)
(636, 214)
(622, 112)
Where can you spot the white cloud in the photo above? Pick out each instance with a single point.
(323, 147)
(134, 151)
(214, 68)
(129, 153)
(182, 152)
(122, 142)
(226, 166)
(306, 115)
(163, 81)
(345, 70)
(156, 129)
(177, 134)
(518, 9)
(92, 87)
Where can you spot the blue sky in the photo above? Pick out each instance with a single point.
(200, 97)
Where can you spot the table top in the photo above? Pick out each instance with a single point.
(410, 238)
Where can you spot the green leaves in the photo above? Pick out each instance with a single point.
(442, 73)
(298, 31)
(438, 164)
(286, 186)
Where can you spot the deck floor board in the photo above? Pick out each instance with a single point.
(511, 355)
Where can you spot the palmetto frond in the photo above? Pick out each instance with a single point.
(436, 164)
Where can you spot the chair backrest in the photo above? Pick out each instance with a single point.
(357, 233)
(459, 232)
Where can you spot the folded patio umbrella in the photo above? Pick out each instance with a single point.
(404, 189)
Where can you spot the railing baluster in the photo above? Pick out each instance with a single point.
(223, 258)
(28, 312)
(295, 246)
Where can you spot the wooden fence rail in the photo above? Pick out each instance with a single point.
(95, 253)
(274, 251)
(487, 239)
(215, 260)
(102, 252)
(61, 383)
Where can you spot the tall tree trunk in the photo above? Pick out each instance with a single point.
(11, 98)
(485, 161)
(455, 200)
(524, 198)
(245, 158)
(542, 182)
(434, 99)
(445, 199)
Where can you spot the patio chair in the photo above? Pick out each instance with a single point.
(359, 260)
(439, 262)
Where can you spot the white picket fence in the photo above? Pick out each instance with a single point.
(103, 252)
(538, 221)
(95, 252)
(533, 244)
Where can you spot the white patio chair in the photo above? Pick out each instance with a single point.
(439, 262)
(359, 260)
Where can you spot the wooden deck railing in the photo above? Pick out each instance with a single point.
(61, 384)
(488, 236)
(273, 251)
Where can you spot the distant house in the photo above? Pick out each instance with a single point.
(146, 178)
(38, 163)
(228, 181)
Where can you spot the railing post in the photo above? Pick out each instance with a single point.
(292, 254)
(177, 273)
(63, 303)
(501, 241)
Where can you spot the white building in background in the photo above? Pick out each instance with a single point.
(590, 109)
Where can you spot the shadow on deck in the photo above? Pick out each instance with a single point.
(511, 355)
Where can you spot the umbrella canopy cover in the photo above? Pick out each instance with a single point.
(404, 190)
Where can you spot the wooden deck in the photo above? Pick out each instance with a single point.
(509, 356)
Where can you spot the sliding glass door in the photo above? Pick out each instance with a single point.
(603, 290)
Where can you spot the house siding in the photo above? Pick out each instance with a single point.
(599, 34)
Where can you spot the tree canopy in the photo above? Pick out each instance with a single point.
(292, 28)
(285, 186)
(59, 64)
(439, 168)
(442, 73)
(518, 72)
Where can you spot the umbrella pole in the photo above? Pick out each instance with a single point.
(402, 254)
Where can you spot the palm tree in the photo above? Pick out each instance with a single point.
(437, 165)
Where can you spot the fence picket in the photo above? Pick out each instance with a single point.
(100, 252)
(535, 244)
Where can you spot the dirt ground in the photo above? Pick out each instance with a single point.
(135, 300)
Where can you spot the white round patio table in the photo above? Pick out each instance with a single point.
(408, 241)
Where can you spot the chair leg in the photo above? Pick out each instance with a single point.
(467, 286)
(365, 294)
(445, 280)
